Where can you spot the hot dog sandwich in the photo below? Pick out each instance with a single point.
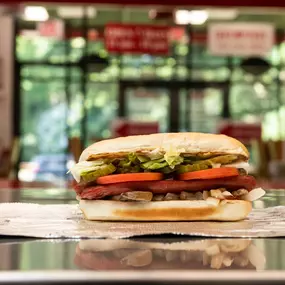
(165, 177)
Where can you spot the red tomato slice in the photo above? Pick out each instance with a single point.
(128, 177)
(210, 173)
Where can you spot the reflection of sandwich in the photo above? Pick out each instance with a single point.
(202, 254)
(170, 177)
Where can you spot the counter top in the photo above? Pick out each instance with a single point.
(158, 258)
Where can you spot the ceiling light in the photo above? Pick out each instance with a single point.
(194, 17)
(198, 17)
(35, 13)
(182, 17)
(70, 12)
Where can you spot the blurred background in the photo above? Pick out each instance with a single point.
(72, 74)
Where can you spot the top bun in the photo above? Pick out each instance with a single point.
(190, 143)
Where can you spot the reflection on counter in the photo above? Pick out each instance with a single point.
(169, 253)
(230, 254)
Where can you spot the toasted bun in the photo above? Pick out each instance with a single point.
(191, 143)
(101, 245)
(102, 210)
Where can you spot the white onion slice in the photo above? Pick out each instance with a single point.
(256, 257)
(254, 194)
(242, 164)
(216, 165)
(84, 166)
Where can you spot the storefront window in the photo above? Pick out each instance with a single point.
(55, 82)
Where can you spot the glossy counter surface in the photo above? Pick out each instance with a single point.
(158, 258)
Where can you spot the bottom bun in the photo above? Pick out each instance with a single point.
(102, 210)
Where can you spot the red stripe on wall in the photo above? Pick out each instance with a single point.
(213, 3)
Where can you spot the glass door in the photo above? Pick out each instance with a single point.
(205, 108)
(148, 105)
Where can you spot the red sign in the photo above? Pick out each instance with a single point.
(184, 3)
(137, 39)
(51, 29)
(123, 128)
(241, 131)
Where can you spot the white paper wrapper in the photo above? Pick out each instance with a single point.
(66, 221)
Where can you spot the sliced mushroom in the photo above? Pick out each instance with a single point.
(187, 196)
(171, 196)
(159, 252)
(228, 261)
(199, 196)
(229, 246)
(227, 194)
(241, 261)
(116, 197)
(206, 259)
(212, 250)
(139, 258)
(185, 256)
(205, 195)
(171, 255)
(240, 192)
(158, 197)
(140, 196)
(216, 193)
(120, 252)
(217, 261)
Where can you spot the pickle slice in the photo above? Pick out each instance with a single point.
(224, 159)
(104, 170)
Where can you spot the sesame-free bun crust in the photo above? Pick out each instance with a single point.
(102, 245)
(104, 210)
(190, 143)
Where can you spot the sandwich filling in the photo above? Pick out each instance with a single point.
(185, 255)
(155, 176)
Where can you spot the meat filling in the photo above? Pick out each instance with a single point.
(145, 196)
(166, 187)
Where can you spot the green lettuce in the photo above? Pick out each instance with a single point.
(172, 161)
(154, 164)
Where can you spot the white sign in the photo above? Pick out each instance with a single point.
(240, 39)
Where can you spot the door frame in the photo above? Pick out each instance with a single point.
(173, 87)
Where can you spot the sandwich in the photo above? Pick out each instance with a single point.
(209, 254)
(165, 177)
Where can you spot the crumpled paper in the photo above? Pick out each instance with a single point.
(66, 221)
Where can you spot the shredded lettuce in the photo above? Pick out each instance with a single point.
(143, 158)
(172, 157)
(154, 164)
(174, 160)
(132, 157)
(154, 154)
